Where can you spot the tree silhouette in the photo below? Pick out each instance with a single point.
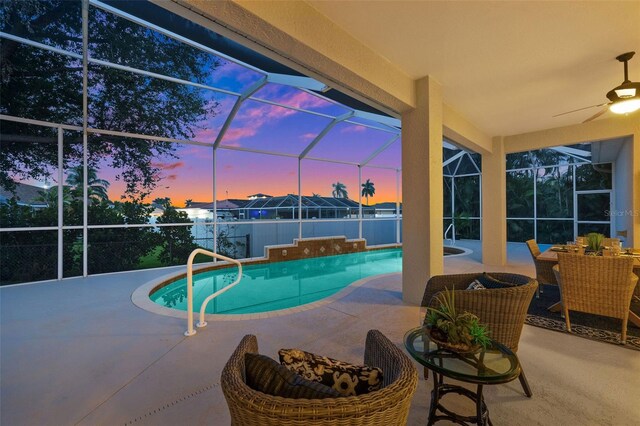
(161, 202)
(368, 190)
(44, 85)
(177, 241)
(97, 188)
(339, 190)
(50, 196)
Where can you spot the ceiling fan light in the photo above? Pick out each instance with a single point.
(626, 93)
(625, 106)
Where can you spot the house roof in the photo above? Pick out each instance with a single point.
(24, 194)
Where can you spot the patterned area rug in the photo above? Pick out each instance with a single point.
(593, 327)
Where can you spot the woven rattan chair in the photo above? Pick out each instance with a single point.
(502, 310)
(600, 285)
(544, 268)
(387, 406)
(608, 242)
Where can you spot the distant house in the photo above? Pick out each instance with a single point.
(262, 206)
(386, 209)
(25, 195)
(258, 195)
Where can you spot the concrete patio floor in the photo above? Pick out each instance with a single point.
(80, 352)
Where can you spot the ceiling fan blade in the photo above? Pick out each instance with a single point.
(580, 109)
(598, 114)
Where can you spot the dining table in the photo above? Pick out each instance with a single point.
(551, 255)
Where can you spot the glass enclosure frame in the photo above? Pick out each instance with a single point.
(385, 125)
(577, 160)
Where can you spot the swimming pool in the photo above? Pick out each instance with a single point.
(279, 285)
(276, 286)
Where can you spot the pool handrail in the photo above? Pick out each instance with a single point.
(202, 323)
(453, 234)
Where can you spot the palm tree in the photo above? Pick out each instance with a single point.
(340, 190)
(368, 190)
(97, 187)
(50, 196)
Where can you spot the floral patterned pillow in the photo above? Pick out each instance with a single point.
(345, 378)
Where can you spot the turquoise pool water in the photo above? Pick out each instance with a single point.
(279, 285)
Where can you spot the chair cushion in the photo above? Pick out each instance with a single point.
(490, 282)
(347, 379)
(267, 376)
(476, 285)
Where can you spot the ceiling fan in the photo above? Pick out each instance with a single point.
(623, 99)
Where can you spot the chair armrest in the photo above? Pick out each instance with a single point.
(380, 352)
(438, 283)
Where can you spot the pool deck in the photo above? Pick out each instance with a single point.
(80, 352)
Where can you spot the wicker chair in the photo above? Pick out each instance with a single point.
(608, 242)
(502, 310)
(601, 285)
(387, 406)
(544, 268)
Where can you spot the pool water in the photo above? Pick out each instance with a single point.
(278, 285)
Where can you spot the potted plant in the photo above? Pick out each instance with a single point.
(457, 331)
(594, 242)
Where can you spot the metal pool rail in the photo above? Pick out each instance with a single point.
(202, 323)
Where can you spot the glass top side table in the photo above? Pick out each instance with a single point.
(494, 365)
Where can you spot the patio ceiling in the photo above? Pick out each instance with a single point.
(508, 67)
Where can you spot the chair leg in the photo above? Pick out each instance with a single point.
(425, 372)
(625, 320)
(524, 383)
(565, 311)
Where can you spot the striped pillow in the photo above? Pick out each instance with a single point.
(268, 376)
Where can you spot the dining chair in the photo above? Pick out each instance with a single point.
(600, 285)
(544, 269)
(608, 242)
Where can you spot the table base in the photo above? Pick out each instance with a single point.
(440, 389)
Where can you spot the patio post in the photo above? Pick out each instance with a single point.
(422, 190)
(494, 205)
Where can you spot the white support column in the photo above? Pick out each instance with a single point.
(360, 202)
(60, 201)
(299, 198)
(494, 205)
(398, 206)
(422, 190)
(85, 148)
(215, 202)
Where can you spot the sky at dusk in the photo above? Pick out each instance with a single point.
(257, 126)
(261, 126)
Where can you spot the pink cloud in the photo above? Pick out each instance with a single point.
(351, 128)
(172, 177)
(300, 99)
(239, 133)
(168, 166)
(308, 136)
